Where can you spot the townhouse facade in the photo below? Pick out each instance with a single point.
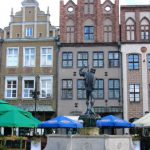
(28, 61)
(135, 49)
(1, 42)
(90, 37)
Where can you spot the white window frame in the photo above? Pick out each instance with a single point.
(41, 60)
(23, 85)
(13, 55)
(24, 64)
(134, 92)
(7, 78)
(51, 86)
(29, 32)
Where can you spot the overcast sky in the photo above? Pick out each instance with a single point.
(6, 5)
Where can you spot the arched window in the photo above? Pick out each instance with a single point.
(89, 31)
(88, 7)
(70, 31)
(107, 30)
(145, 29)
(130, 30)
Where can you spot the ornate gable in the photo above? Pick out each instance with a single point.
(30, 3)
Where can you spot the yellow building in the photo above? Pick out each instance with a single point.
(28, 61)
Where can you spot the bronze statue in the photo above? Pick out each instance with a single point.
(89, 87)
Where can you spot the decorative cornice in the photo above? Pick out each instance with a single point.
(87, 44)
(30, 39)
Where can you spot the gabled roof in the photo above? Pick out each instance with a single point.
(70, 1)
(108, 1)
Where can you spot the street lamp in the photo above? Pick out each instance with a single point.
(36, 93)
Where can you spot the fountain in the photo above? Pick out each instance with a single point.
(88, 137)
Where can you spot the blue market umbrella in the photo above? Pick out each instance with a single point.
(113, 122)
(61, 122)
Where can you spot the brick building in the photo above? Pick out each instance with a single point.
(135, 48)
(29, 61)
(89, 36)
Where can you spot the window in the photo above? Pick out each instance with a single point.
(46, 56)
(29, 32)
(81, 92)
(148, 61)
(70, 9)
(107, 33)
(29, 57)
(46, 86)
(67, 89)
(108, 8)
(70, 31)
(98, 59)
(82, 59)
(145, 30)
(70, 34)
(12, 57)
(114, 89)
(67, 59)
(28, 86)
(88, 7)
(133, 60)
(88, 33)
(113, 59)
(130, 30)
(107, 30)
(8, 34)
(98, 92)
(134, 92)
(11, 85)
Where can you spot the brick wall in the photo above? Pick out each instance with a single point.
(97, 17)
(137, 10)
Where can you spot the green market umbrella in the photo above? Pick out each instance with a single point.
(3, 102)
(15, 118)
(5, 107)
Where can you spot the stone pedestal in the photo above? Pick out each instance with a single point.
(89, 131)
(86, 142)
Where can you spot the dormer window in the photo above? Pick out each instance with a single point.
(29, 32)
